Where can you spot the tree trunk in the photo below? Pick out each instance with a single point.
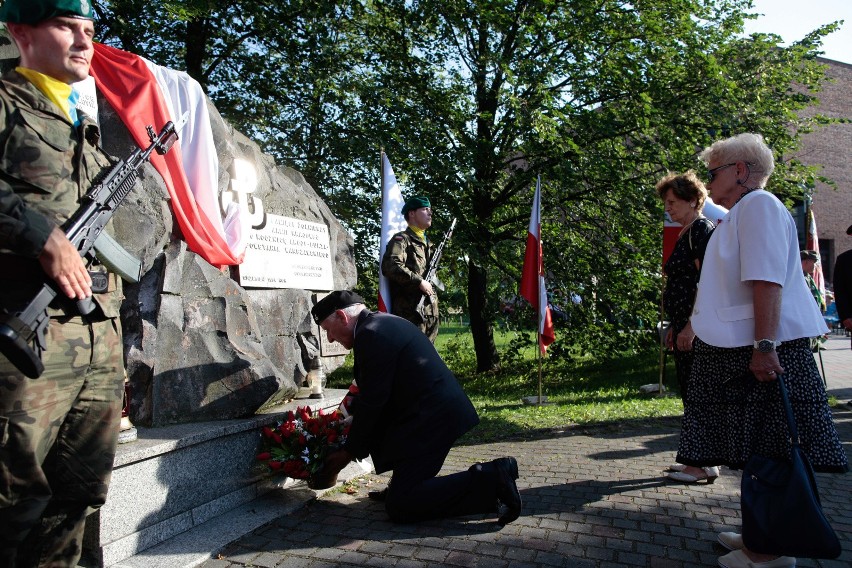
(196, 46)
(487, 357)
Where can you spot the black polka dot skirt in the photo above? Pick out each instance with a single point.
(728, 415)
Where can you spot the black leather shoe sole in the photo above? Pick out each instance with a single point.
(507, 489)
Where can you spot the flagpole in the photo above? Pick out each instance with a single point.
(540, 318)
(538, 351)
(807, 223)
(540, 310)
(381, 225)
(660, 337)
(533, 289)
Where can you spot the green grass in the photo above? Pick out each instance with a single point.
(582, 390)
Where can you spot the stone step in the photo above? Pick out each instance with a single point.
(180, 493)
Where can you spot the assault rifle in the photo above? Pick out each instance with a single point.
(23, 336)
(432, 272)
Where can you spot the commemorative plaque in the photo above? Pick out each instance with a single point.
(288, 253)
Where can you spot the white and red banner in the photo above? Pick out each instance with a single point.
(812, 243)
(143, 94)
(671, 229)
(533, 288)
(392, 223)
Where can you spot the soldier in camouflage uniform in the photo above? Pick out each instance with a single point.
(405, 264)
(57, 432)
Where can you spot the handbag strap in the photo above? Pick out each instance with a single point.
(791, 420)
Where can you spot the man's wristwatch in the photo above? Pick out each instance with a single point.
(766, 345)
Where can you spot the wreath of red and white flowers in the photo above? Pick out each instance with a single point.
(299, 444)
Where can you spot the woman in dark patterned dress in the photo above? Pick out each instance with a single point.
(684, 196)
(753, 317)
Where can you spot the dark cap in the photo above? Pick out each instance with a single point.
(35, 11)
(849, 230)
(336, 300)
(415, 203)
(809, 255)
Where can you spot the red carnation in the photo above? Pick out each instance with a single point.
(264, 456)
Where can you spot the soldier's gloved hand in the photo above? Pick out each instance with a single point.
(60, 261)
(426, 288)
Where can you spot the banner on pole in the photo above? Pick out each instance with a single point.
(533, 287)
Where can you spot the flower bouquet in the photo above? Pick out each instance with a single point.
(299, 444)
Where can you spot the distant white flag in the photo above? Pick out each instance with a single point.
(392, 223)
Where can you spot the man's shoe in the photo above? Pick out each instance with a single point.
(507, 489)
(731, 540)
(739, 559)
(379, 495)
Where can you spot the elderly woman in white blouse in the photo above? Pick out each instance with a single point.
(752, 318)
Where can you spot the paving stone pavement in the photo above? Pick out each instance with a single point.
(593, 497)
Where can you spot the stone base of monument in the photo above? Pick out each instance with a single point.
(179, 494)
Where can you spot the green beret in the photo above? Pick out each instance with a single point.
(808, 254)
(415, 203)
(336, 300)
(35, 11)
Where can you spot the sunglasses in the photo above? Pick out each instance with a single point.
(711, 174)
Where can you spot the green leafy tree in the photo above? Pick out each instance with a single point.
(473, 99)
(598, 97)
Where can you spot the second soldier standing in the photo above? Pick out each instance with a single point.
(405, 264)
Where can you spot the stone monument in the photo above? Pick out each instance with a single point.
(200, 346)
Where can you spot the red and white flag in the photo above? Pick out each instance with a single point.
(392, 223)
(145, 94)
(532, 277)
(812, 243)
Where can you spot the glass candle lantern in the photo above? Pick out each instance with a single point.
(316, 379)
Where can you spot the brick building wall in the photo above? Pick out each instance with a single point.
(831, 147)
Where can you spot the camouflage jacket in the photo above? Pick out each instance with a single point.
(46, 165)
(404, 264)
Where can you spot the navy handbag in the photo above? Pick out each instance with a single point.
(781, 510)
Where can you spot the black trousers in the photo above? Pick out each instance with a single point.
(416, 494)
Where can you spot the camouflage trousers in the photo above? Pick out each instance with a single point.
(407, 309)
(57, 442)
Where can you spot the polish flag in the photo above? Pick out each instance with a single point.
(392, 223)
(532, 277)
(143, 94)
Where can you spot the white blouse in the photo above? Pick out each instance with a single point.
(756, 240)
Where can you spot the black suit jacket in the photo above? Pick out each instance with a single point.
(409, 403)
(843, 285)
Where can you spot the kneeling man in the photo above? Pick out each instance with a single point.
(409, 411)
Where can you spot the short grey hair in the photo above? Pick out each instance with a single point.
(353, 310)
(747, 147)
